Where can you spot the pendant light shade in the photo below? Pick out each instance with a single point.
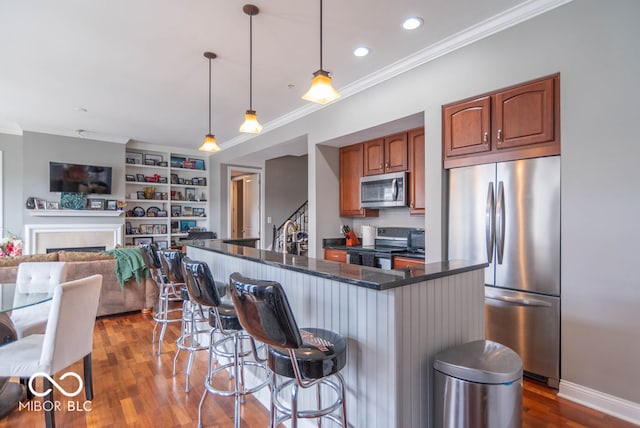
(321, 91)
(250, 124)
(209, 144)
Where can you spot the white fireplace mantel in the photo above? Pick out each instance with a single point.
(39, 237)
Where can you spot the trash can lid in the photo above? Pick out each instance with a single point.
(482, 361)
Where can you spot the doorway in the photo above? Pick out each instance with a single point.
(244, 206)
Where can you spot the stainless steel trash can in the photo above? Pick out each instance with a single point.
(478, 384)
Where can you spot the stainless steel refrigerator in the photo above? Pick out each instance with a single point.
(509, 215)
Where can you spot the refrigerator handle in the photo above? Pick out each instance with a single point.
(519, 301)
(490, 222)
(500, 222)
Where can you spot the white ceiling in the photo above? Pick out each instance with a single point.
(138, 69)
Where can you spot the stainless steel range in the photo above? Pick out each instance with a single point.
(388, 241)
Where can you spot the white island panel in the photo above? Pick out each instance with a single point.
(392, 334)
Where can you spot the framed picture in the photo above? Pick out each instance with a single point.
(162, 179)
(180, 180)
(161, 213)
(175, 227)
(188, 182)
(111, 205)
(190, 193)
(174, 178)
(176, 210)
(176, 161)
(151, 159)
(52, 205)
(163, 164)
(162, 245)
(198, 164)
(130, 177)
(140, 177)
(142, 240)
(186, 225)
(127, 227)
(187, 211)
(198, 212)
(134, 158)
(145, 229)
(95, 204)
(140, 194)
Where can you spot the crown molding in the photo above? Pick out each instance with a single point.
(497, 23)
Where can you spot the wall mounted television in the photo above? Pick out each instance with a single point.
(69, 177)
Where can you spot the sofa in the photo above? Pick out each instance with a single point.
(114, 299)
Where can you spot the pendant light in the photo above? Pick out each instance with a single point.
(210, 144)
(250, 124)
(321, 91)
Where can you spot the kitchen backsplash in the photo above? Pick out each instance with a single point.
(389, 217)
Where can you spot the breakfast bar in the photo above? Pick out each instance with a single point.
(395, 322)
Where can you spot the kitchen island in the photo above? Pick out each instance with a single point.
(395, 321)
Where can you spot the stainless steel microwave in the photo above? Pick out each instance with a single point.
(384, 190)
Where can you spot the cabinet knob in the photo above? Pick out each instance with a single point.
(499, 136)
(485, 137)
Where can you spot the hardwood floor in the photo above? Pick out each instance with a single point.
(135, 388)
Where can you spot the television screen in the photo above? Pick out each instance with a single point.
(68, 177)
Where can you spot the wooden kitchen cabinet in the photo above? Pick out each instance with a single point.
(335, 255)
(416, 171)
(519, 122)
(400, 262)
(385, 155)
(351, 169)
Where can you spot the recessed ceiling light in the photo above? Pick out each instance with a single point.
(361, 51)
(412, 23)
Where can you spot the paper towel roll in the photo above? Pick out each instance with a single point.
(368, 235)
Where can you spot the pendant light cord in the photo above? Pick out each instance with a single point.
(209, 95)
(250, 62)
(320, 34)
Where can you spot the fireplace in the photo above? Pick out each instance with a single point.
(42, 238)
(84, 249)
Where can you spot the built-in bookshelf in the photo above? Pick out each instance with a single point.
(166, 195)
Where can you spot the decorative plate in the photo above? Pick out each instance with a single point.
(73, 201)
(138, 212)
(152, 211)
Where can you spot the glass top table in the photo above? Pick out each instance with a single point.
(11, 300)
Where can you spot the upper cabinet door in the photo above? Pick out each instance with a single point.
(373, 157)
(466, 127)
(350, 173)
(524, 115)
(519, 122)
(396, 153)
(416, 172)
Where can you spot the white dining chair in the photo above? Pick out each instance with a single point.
(68, 338)
(35, 278)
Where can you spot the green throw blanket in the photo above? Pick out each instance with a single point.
(129, 264)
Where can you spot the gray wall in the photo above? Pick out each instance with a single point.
(12, 170)
(593, 44)
(285, 189)
(40, 149)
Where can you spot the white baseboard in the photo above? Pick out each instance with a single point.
(606, 403)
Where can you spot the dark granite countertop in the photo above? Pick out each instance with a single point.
(362, 276)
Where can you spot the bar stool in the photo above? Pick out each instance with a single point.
(309, 357)
(223, 319)
(166, 292)
(171, 261)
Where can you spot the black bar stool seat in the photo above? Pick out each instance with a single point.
(323, 353)
(228, 318)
